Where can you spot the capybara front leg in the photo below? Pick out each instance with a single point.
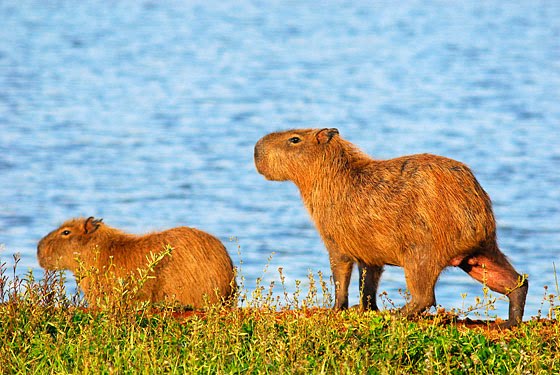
(497, 273)
(369, 281)
(341, 267)
(420, 282)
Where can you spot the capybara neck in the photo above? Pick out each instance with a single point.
(106, 234)
(107, 242)
(339, 167)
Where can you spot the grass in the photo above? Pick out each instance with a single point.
(44, 329)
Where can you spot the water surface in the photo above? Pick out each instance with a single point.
(146, 113)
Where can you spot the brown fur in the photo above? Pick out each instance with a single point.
(421, 212)
(199, 266)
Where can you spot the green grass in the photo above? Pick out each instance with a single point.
(43, 329)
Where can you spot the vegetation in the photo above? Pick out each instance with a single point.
(43, 329)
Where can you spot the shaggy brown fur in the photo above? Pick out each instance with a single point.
(421, 212)
(199, 266)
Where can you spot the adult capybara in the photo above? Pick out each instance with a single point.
(421, 212)
(198, 269)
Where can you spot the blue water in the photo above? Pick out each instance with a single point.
(145, 113)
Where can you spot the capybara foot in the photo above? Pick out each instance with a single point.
(413, 308)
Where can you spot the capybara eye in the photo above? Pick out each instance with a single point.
(66, 232)
(294, 140)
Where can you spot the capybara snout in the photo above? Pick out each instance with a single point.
(421, 212)
(197, 271)
(256, 152)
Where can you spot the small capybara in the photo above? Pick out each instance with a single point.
(198, 270)
(421, 212)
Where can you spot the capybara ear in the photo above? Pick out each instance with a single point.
(325, 135)
(91, 225)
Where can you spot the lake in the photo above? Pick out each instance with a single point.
(145, 114)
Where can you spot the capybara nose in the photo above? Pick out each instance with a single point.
(256, 153)
(40, 245)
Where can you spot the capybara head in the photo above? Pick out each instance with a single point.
(281, 156)
(59, 249)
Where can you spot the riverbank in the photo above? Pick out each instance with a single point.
(43, 329)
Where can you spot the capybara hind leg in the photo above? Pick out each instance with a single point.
(498, 274)
(369, 281)
(421, 282)
(341, 267)
(517, 303)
